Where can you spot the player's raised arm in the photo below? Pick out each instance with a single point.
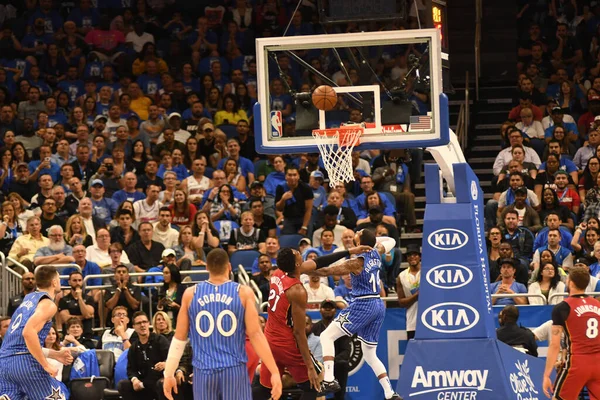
(297, 297)
(178, 344)
(309, 266)
(259, 341)
(385, 244)
(44, 312)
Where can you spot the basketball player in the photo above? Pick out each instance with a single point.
(285, 329)
(364, 316)
(578, 317)
(24, 369)
(218, 314)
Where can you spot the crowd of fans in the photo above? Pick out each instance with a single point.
(543, 218)
(127, 145)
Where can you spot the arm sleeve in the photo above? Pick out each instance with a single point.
(560, 313)
(325, 261)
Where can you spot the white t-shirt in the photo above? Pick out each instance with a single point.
(146, 213)
(195, 187)
(409, 283)
(169, 238)
(139, 41)
(95, 254)
(322, 293)
(114, 343)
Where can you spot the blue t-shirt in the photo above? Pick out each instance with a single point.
(53, 171)
(565, 165)
(149, 84)
(569, 126)
(245, 166)
(73, 88)
(515, 287)
(121, 195)
(90, 268)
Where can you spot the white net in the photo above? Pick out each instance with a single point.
(335, 146)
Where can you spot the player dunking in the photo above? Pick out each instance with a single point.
(218, 314)
(24, 369)
(365, 314)
(578, 318)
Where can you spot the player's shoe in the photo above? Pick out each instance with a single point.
(329, 387)
(395, 396)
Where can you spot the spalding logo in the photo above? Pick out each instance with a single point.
(451, 317)
(449, 276)
(447, 239)
(474, 190)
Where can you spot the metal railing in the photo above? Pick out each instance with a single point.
(561, 295)
(245, 279)
(516, 295)
(478, 17)
(11, 281)
(462, 124)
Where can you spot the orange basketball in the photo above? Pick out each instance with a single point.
(324, 98)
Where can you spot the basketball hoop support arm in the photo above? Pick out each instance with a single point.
(445, 156)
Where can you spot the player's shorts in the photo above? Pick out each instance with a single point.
(22, 376)
(363, 318)
(226, 383)
(579, 371)
(287, 357)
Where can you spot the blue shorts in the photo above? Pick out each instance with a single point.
(363, 318)
(22, 376)
(222, 384)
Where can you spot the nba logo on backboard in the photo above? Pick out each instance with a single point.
(276, 124)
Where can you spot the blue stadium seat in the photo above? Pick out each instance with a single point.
(245, 258)
(290, 240)
(229, 130)
(258, 164)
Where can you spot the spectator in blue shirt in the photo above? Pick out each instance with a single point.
(36, 42)
(276, 177)
(508, 285)
(44, 165)
(53, 22)
(104, 208)
(71, 85)
(557, 119)
(84, 16)
(54, 117)
(87, 267)
(315, 182)
(150, 82)
(246, 166)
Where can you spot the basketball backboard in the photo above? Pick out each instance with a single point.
(396, 89)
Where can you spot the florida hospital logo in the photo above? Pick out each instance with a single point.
(521, 382)
(450, 317)
(447, 239)
(449, 276)
(451, 384)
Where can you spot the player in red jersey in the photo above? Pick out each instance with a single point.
(578, 319)
(285, 329)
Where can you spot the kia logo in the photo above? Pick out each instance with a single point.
(449, 276)
(451, 317)
(447, 239)
(474, 190)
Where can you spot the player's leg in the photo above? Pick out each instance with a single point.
(571, 379)
(370, 356)
(333, 332)
(206, 385)
(235, 384)
(32, 380)
(262, 391)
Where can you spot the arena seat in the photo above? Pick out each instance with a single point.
(245, 258)
(290, 240)
(229, 130)
(96, 387)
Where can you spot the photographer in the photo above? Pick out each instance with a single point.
(106, 174)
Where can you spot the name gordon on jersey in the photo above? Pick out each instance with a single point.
(215, 298)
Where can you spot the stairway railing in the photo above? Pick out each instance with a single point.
(462, 125)
(478, 16)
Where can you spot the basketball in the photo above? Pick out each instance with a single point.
(324, 98)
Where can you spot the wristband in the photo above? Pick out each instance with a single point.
(174, 356)
(304, 227)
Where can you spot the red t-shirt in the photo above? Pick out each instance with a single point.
(105, 40)
(586, 121)
(568, 198)
(515, 113)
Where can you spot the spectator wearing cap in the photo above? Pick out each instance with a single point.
(525, 101)
(342, 346)
(557, 116)
(514, 335)
(181, 135)
(587, 262)
(99, 125)
(564, 163)
(567, 196)
(168, 143)
(588, 151)
(304, 244)
(258, 191)
(21, 184)
(315, 182)
(515, 137)
(168, 257)
(104, 208)
(562, 255)
(407, 288)
(528, 217)
(507, 197)
(331, 214)
(508, 284)
(548, 121)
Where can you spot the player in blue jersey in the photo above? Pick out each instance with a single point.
(218, 314)
(366, 312)
(24, 369)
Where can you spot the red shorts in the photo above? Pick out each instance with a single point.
(580, 371)
(253, 360)
(286, 357)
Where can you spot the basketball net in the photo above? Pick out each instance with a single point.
(335, 146)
